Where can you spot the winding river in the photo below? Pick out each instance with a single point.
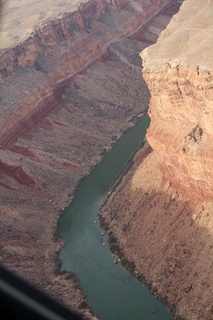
(111, 292)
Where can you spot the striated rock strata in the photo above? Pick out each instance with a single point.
(55, 52)
(180, 79)
(162, 211)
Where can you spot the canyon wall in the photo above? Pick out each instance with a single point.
(178, 70)
(63, 30)
(180, 79)
(56, 52)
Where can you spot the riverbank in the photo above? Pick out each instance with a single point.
(111, 291)
(166, 238)
(106, 217)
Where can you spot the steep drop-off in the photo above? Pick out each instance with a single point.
(162, 211)
(67, 94)
(181, 84)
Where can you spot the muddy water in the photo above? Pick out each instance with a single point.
(112, 292)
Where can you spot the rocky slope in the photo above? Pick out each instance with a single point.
(162, 211)
(57, 119)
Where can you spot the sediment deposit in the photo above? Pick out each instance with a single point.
(162, 211)
(57, 119)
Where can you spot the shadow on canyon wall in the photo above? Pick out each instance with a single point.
(168, 237)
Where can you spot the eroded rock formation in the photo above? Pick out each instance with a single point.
(180, 81)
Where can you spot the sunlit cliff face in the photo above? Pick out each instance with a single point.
(180, 79)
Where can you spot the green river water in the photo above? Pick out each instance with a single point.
(103, 282)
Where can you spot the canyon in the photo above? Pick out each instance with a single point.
(57, 120)
(162, 211)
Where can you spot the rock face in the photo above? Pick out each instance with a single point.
(63, 31)
(180, 79)
(162, 211)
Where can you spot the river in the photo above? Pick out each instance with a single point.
(111, 292)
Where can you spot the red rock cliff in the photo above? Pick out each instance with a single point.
(179, 72)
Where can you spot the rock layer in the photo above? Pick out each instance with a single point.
(180, 80)
(55, 52)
